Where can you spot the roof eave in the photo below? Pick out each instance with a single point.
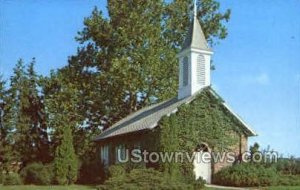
(250, 132)
(247, 128)
(101, 139)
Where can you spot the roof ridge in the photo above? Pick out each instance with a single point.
(148, 117)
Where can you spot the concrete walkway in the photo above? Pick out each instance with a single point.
(225, 187)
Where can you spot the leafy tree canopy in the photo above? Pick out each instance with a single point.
(128, 60)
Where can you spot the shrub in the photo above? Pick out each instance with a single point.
(144, 179)
(117, 170)
(65, 161)
(199, 183)
(246, 174)
(122, 168)
(289, 180)
(37, 173)
(91, 172)
(288, 166)
(12, 179)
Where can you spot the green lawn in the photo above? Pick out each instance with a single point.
(265, 188)
(283, 188)
(32, 187)
(81, 187)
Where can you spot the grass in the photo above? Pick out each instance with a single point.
(263, 188)
(33, 187)
(82, 187)
(282, 188)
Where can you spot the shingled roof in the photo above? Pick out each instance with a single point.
(148, 118)
(195, 37)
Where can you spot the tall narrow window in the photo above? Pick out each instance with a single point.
(120, 153)
(185, 73)
(200, 70)
(105, 154)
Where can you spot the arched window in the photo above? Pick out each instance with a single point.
(200, 70)
(185, 73)
(202, 147)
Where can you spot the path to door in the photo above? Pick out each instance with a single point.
(229, 188)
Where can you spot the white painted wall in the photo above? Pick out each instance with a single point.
(193, 86)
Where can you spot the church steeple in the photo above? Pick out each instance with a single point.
(195, 37)
(194, 60)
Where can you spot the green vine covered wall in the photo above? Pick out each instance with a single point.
(204, 120)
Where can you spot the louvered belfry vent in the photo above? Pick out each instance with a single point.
(194, 60)
(201, 70)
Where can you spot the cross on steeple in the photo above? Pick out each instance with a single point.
(195, 37)
(194, 60)
(195, 9)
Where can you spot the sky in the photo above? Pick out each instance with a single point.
(257, 65)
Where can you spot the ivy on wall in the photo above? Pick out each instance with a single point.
(204, 120)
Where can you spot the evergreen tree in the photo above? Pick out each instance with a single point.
(26, 115)
(16, 117)
(35, 111)
(5, 131)
(65, 161)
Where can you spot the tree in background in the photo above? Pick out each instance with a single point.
(18, 119)
(125, 62)
(211, 19)
(65, 161)
(132, 54)
(5, 131)
(37, 115)
(61, 102)
(254, 149)
(26, 115)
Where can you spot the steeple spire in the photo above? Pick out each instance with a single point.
(195, 9)
(194, 60)
(195, 38)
